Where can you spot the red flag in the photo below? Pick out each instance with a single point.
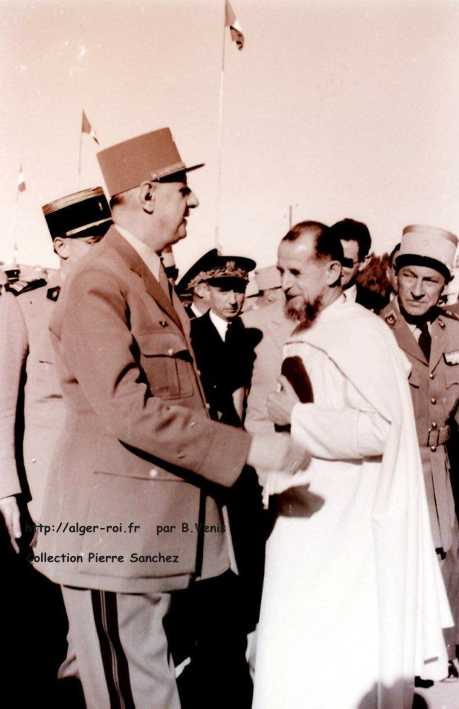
(87, 128)
(235, 28)
(21, 180)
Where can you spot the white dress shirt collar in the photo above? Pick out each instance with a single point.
(146, 253)
(351, 294)
(220, 325)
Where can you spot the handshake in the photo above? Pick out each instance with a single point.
(276, 452)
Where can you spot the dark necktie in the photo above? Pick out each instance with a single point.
(231, 331)
(425, 340)
(164, 282)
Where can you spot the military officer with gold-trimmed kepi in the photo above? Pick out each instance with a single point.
(31, 419)
(75, 222)
(429, 336)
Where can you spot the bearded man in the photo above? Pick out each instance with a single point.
(350, 568)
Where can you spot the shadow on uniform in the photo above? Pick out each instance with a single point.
(34, 630)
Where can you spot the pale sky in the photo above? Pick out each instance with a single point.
(339, 108)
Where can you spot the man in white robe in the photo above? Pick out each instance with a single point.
(351, 577)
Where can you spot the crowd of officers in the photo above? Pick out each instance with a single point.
(53, 383)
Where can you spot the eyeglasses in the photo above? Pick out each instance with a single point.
(349, 263)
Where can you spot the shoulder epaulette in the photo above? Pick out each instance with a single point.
(447, 313)
(19, 287)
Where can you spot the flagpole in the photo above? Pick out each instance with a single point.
(220, 135)
(14, 224)
(20, 187)
(79, 155)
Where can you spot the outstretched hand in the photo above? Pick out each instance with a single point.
(276, 452)
(10, 510)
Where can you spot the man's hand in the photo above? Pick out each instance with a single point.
(10, 511)
(280, 403)
(276, 452)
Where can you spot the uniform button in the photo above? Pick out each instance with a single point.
(170, 351)
(433, 400)
(192, 424)
(34, 460)
(431, 375)
(153, 473)
(434, 424)
(207, 406)
(433, 448)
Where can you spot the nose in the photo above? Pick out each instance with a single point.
(231, 297)
(417, 290)
(287, 281)
(192, 201)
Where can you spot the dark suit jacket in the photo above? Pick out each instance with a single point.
(224, 366)
(138, 444)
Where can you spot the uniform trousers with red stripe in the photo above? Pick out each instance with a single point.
(122, 649)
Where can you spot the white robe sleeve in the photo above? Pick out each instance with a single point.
(345, 433)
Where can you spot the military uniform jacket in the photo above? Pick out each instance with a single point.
(270, 327)
(31, 406)
(138, 445)
(434, 387)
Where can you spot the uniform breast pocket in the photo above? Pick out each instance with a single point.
(167, 363)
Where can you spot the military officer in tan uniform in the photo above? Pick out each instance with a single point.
(140, 462)
(75, 222)
(31, 418)
(429, 336)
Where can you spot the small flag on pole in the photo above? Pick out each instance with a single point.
(21, 180)
(235, 28)
(86, 127)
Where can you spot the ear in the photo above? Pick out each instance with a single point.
(390, 273)
(334, 273)
(61, 247)
(147, 196)
(202, 290)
